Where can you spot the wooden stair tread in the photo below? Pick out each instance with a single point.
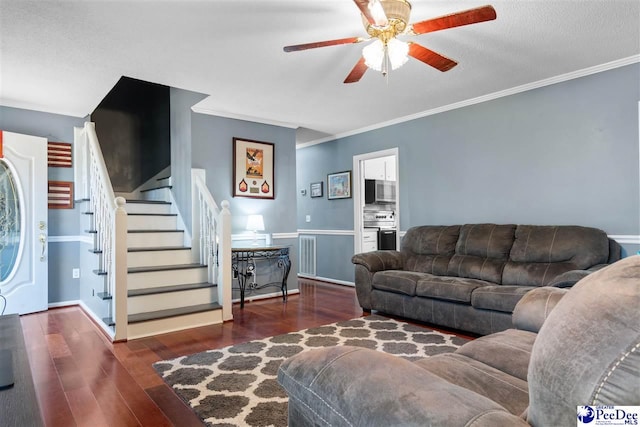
(109, 321)
(151, 202)
(159, 248)
(165, 268)
(156, 188)
(152, 214)
(172, 312)
(104, 295)
(167, 289)
(155, 231)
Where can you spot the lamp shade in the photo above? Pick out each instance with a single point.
(255, 223)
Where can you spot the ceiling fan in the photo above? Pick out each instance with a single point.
(384, 20)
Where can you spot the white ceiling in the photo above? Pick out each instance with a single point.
(64, 56)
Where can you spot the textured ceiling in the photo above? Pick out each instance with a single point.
(64, 56)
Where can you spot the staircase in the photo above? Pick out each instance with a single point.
(168, 291)
(165, 286)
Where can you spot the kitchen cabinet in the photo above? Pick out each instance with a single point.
(382, 168)
(369, 240)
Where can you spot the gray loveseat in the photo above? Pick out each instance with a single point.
(470, 277)
(571, 347)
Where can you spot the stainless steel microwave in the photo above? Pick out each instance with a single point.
(379, 191)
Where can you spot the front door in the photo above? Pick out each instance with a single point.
(23, 223)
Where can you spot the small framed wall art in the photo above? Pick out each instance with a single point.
(316, 189)
(60, 194)
(253, 169)
(339, 185)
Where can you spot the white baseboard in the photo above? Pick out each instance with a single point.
(327, 279)
(265, 296)
(63, 304)
(105, 328)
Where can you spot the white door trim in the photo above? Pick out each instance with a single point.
(358, 193)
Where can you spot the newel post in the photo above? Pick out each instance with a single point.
(119, 269)
(224, 254)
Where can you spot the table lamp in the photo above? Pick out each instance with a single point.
(255, 223)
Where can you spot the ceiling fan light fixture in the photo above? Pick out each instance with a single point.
(377, 54)
(377, 12)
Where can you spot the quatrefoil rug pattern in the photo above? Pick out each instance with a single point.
(237, 386)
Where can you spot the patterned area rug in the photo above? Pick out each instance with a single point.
(237, 386)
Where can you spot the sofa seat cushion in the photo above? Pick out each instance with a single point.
(457, 289)
(508, 351)
(510, 392)
(398, 281)
(498, 298)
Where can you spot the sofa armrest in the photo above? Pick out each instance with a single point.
(366, 265)
(570, 278)
(352, 386)
(379, 260)
(534, 307)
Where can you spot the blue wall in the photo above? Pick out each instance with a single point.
(212, 150)
(561, 154)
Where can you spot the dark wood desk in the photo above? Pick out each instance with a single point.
(243, 264)
(18, 404)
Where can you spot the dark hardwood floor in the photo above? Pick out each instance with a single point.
(82, 379)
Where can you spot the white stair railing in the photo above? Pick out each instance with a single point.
(211, 235)
(109, 222)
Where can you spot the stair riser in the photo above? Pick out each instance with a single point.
(155, 302)
(172, 324)
(135, 222)
(154, 279)
(165, 181)
(147, 208)
(156, 258)
(153, 240)
(162, 194)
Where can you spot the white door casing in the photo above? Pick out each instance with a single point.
(358, 193)
(26, 286)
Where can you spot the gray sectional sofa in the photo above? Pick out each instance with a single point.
(568, 348)
(470, 277)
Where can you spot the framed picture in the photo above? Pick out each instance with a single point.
(316, 189)
(339, 185)
(60, 194)
(253, 170)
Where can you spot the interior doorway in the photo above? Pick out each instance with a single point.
(376, 207)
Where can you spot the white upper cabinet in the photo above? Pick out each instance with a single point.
(383, 168)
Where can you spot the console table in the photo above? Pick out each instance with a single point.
(18, 404)
(243, 263)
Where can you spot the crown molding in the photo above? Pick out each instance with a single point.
(484, 98)
(246, 118)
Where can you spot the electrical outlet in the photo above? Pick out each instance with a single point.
(308, 218)
(76, 273)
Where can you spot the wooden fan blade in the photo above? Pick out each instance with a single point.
(358, 71)
(297, 47)
(430, 57)
(472, 16)
(375, 16)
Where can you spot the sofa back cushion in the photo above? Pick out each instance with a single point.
(482, 251)
(428, 248)
(541, 252)
(588, 349)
